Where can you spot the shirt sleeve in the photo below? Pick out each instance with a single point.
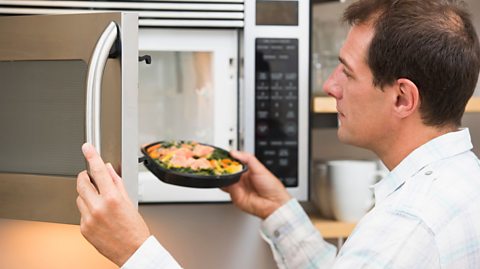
(151, 255)
(294, 241)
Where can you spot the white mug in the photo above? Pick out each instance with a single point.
(341, 189)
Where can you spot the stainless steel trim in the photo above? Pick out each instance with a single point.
(43, 11)
(191, 14)
(192, 23)
(176, 13)
(126, 5)
(146, 14)
(129, 127)
(94, 84)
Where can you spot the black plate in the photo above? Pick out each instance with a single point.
(189, 180)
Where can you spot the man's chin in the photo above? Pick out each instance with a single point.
(342, 137)
(345, 138)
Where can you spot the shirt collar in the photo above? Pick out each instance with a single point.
(441, 147)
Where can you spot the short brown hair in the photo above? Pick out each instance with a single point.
(431, 42)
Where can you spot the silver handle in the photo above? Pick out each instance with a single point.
(94, 83)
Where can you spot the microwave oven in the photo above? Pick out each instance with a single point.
(233, 74)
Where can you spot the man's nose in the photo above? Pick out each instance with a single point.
(331, 85)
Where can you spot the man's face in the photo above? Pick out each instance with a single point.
(363, 112)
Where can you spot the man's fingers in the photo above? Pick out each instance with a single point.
(232, 189)
(242, 156)
(82, 207)
(86, 189)
(98, 170)
(253, 163)
(117, 180)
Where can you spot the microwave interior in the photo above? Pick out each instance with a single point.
(188, 92)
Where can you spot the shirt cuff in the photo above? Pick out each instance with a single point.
(151, 255)
(286, 222)
(294, 240)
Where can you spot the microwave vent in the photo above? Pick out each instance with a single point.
(153, 13)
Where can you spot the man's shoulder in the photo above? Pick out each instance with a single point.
(444, 191)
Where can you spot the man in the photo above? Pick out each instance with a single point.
(406, 72)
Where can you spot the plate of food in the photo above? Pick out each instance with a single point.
(192, 164)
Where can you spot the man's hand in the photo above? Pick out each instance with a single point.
(110, 222)
(258, 192)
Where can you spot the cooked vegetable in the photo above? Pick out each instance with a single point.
(193, 158)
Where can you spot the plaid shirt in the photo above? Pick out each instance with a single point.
(427, 215)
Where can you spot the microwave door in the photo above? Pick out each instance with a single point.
(59, 88)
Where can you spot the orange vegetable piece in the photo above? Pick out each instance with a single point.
(152, 148)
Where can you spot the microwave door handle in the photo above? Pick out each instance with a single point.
(94, 83)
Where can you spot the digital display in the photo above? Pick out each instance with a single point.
(276, 12)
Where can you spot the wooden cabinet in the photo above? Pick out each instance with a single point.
(332, 229)
(328, 104)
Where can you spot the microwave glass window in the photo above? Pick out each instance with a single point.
(42, 107)
(176, 97)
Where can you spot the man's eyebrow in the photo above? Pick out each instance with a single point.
(345, 63)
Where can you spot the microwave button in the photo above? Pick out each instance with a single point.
(269, 152)
(283, 153)
(291, 115)
(290, 128)
(262, 97)
(277, 76)
(262, 114)
(291, 143)
(283, 162)
(276, 96)
(262, 104)
(262, 76)
(291, 76)
(276, 143)
(262, 86)
(262, 128)
(262, 143)
(291, 95)
(269, 162)
(277, 87)
(290, 182)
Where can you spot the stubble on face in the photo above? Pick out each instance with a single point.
(360, 106)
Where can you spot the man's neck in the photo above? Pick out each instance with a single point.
(406, 141)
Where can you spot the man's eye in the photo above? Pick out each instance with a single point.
(346, 73)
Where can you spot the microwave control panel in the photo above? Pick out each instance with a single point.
(276, 107)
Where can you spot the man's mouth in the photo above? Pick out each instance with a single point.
(340, 112)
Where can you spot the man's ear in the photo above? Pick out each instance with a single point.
(408, 98)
